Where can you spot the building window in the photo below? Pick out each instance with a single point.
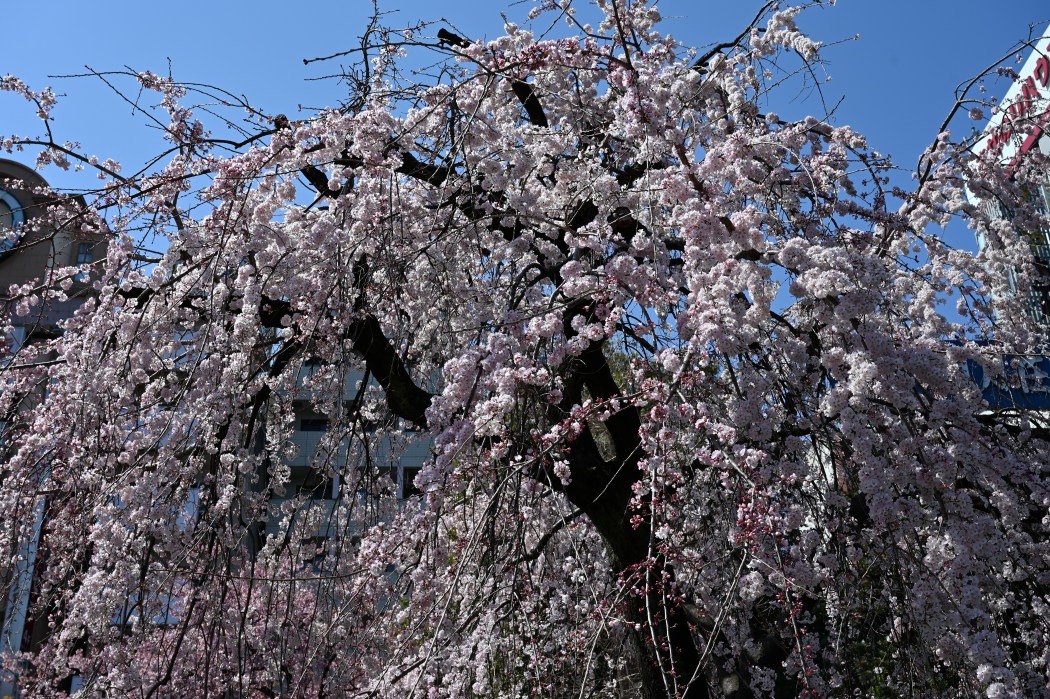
(403, 479)
(84, 256)
(11, 219)
(313, 424)
(408, 483)
(7, 216)
(316, 485)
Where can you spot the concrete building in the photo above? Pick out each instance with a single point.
(329, 467)
(323, 470)
(32, 247)
(1020, 128)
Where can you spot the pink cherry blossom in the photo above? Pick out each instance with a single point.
(691, 418)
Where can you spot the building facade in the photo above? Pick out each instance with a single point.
(34, 247)
(38, 249)
(1019, 129)
(1018, 135)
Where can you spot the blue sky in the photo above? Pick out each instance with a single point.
(896, 81)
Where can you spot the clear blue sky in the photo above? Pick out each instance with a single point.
(897, 80)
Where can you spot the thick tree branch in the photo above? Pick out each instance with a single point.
(526, 94)
(404, 397)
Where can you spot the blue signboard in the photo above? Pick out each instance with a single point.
(1024, 383)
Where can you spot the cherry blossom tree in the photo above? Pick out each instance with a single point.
(697, 426)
